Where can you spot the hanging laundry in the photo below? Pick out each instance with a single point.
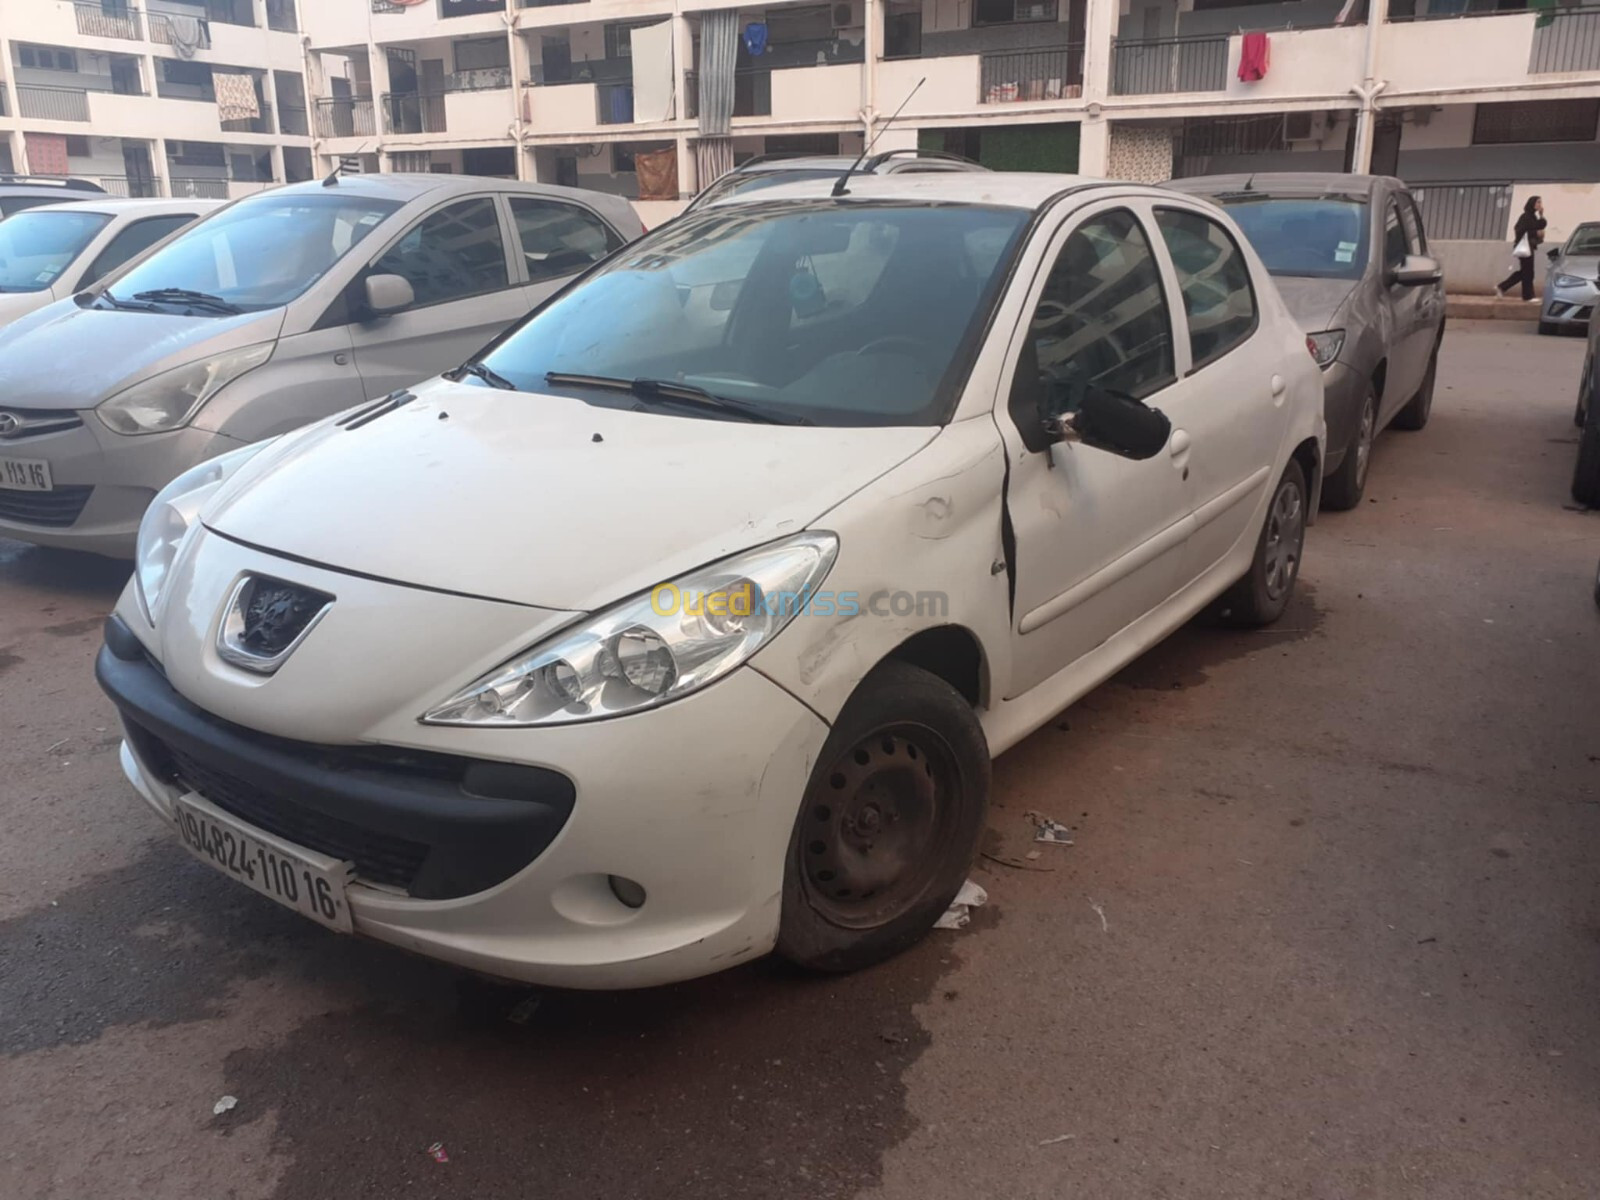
(236, 97)
(1254, 55)
(622, 104)
(47, 153)
(755, 39)
(1546, 10)
(186, 34)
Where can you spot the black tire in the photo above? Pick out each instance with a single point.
(1262, 595)
(905, 774)
(1415, 414)
(1585, 383)
(1586, 475)
(1342, 490)
(1548, 329)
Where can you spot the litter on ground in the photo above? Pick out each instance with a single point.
(959, 914)
(1046, 830)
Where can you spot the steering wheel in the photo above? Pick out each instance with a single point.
(905, 343)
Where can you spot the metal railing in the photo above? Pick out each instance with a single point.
(1158, 65)
(52, 103)
(481, 79)
(199, 189)
(1568, 41)
(344, 117)
(1052, 73)
(292, 120)
(413, 112)
(161, 31)
(1467, 212)
(258, 124)
(133, 187)
(752, 93)
(96, 20)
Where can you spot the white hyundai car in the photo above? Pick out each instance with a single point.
(681, 624)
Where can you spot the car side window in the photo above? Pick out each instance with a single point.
(451, 254)
(1395, 247)
(132, 242)
(1214, 278)
(1411, 219)
(1102, 321)
(559, 239)
(15, 204)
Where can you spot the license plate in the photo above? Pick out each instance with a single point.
(311, 884)
(25, 474)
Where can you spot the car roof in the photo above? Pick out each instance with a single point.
(116, 206)
(1011, 189)
(1287, 183)
(404, 188)
(886, 162)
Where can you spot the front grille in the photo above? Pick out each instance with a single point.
(36, 422)
(1584, 313)
(52, 510)
(379, 857)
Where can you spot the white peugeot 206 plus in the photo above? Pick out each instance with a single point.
(681, 624)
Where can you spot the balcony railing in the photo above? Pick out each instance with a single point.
(589, 70)
(344, 117)
(52, 103)
(1155, 65)
(292, 120)
(161, 31)
(199, 189)
(752, 93)
(133, 187)
(260, 124)
(1570, 41)
(1469, 212)
(117, 21)
(413, 112)
(1054, 73)
(484, 79)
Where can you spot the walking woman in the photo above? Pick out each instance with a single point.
(1527, 236)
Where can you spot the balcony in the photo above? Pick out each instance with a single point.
(414, 112)
(199, 189)
(342, 117)
(133, 188)
(52, 103)
(1051, 73)
(1570, 42)
(259, 124)
(96, 20)
(752, 93)
(1153, 66)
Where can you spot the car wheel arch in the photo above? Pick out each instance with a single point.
(1380, 376)
(954, 654)
(1309, 456)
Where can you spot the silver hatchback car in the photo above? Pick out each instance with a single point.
(1570, 288)
(271, 313)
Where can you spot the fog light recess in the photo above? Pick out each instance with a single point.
(627, 891)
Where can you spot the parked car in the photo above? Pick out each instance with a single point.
(1350, 255)
(57, 250)
(18, 192)
(273, 312)
(1586, 473)
(1570, 287)
(681, 625)
(766, 171)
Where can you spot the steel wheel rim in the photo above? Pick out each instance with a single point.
(875, 824)
(1369, 419)
(1285, 532)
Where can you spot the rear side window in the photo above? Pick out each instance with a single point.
(559, 239)
(451, 254)
(1214, 279)
(132, 242)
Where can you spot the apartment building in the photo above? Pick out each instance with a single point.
(1477, 102)
(199, 98)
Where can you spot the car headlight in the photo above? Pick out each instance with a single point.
(1569, 281)
(171, 399)
(175, 511)
(676, 639)
(1325, 347)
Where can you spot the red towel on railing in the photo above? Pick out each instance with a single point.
(1254, 55)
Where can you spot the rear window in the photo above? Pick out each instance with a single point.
(1317, 237)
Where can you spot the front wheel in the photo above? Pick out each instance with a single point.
(1342, 489)
(1586, 475)
(889, 823)
(1262, 595)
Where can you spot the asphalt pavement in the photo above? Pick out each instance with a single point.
(1330, 926)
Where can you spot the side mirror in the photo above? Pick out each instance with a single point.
(389, 294)
(1553, 253)
(1118, 424)
(1416, 270)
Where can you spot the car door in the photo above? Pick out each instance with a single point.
(1099, 539)
(456, 258)
(1229, 412)
(1430, 296)
(556, 241)
(1406, 355)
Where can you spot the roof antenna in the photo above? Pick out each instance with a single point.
(839, 188)
(338, 164)
(1250, 184)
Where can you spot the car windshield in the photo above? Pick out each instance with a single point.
(1586, 240)
(35, 247)
(1320, 237)
(833, 313)
(739, 183)
(259, 253)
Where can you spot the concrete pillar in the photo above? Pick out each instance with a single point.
(872, 50)
(682, 61)
(1094, 135)
(1094, 146)
(163, 168)
(688, 169)
(1367, 90)
(279, 173)
(378, 64)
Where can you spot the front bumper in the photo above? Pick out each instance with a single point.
(1343, 391)
(103, 482)
(1569, 307)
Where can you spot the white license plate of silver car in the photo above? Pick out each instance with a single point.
(312, 884)
(25, 475)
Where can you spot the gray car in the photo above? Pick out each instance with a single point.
(1350, 256)
(769, 171)
(273, 312)
(1570, 289)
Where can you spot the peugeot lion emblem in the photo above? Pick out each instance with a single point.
(266, 620)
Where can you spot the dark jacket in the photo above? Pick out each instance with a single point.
(1531, 224)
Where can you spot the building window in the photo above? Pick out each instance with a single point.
(1536, 121)
(482, 54)
(44, 58)
(619, 41)
(785, 25)
(902, 31)
(77, 147)
(801, 145)
(1008, 12)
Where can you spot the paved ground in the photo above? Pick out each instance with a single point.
(1331, 927)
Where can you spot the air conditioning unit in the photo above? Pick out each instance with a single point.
(1304, 127)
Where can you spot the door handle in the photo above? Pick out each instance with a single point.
(1278, 385)
(1179, 445)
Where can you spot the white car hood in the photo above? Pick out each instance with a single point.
(542, 500)
(20, 304)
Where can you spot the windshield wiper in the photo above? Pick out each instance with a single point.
(493, 378)
(678, 393)
(192, 299)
